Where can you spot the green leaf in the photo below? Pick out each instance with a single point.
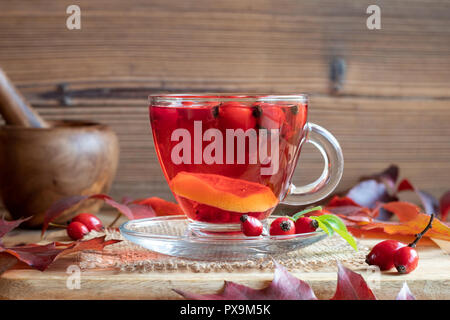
(324, 226)
(299, 214)
(335, 223)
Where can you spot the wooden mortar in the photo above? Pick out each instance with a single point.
(44, 161)
(39, 166)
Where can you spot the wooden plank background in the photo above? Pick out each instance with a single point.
(393, 105)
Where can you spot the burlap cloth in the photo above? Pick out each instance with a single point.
(126, 256)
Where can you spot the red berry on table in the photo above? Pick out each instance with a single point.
(282, 226)
(76, 230)
(382, 254)
(251, 226)
(406, 259)
(89, 220)
(305, 225)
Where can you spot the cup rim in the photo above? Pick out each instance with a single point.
(204, 97)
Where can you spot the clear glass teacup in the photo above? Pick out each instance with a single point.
(226, 155)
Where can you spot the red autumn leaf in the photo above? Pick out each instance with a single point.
(359, 220)
(389, 177)
(350, 211)
(430, 204)
(404, 211)
(41, 256)
(66, 203)
(405, 185)
(284, 286)
(445, 205)
(38, 257)
(95, 244)
(381, 235)
(369, 192)
(405, 293)
(141, 211)
(337, 201)
(351, 286)
(7, 226)
(160, 206)
(411, 227)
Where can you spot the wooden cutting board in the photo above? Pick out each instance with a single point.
(431, 280)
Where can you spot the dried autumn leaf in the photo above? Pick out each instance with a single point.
(405, 293)
(429, 203)
(412, 221)
(160, 206)
(350, 211)
(412, 227)
(370, 192)
(94, 244)
(141, 211)
(389, 176)
(379, 187)
(351, 286)
(355, 219)
(404, 211)
(36, 256)
(337, 201)
(381, 235)
(41, 256)
(284, 286)
(7, 226)
(444, 204)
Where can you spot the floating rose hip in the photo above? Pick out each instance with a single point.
(76, 230)
(251, 226)
(282, 226)
(235, 115)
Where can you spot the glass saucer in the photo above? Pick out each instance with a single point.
(171, 235)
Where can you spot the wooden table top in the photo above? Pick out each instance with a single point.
(431, 280)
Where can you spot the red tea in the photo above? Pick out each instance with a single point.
(226, 159)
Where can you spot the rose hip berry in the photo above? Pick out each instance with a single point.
(305, 225)
(251, 226)
(272, 117)
(234, 115)
(282, 226)
(76, 230)
(388, 253)
(382, 254)
(406, 259)
(89, 220)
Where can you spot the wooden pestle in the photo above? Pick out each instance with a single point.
(15, 109)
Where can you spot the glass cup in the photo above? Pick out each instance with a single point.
(226, 155)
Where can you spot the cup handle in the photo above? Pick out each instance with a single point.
(332, 172)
